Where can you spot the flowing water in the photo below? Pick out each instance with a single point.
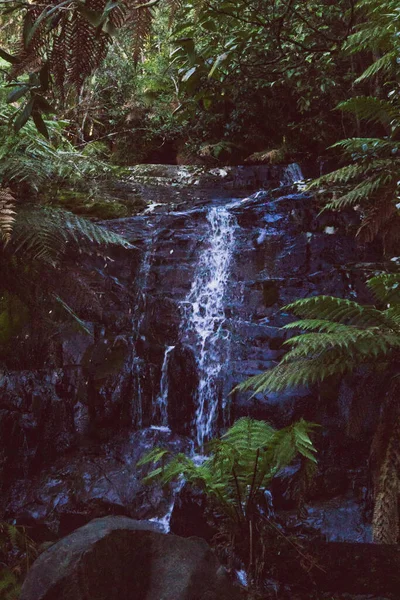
(205, 321)
(292, 174)
(138, 314)
(160, 411)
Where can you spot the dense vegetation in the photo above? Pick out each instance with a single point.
(236, 477)
(89, 87)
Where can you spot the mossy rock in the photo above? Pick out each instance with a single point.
(275, 156)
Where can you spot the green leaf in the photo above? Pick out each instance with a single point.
(23, 116)
(40, 124)
(17, 93)
(217, 63)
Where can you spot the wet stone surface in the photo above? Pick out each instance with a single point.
(71, 428)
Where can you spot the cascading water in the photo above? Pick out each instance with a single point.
(292, 174)
(160, 412)
(138, 314)
(205, 323)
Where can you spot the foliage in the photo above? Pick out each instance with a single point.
(31, 160)
(341, 336)
(242, 464)
(206, 71)
(17, 552)
(236, 474)
(7, 213)
(371, 181)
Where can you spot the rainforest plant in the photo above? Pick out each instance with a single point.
(370, 183)
(339, 337)
(17, 553)
(238, 470)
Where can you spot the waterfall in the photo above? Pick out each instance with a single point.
(292, 174)
(160, 412)
(138, 314)
(205, 324)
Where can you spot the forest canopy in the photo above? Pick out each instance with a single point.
(219, 78)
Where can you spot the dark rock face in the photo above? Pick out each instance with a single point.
(93, 481)
(116, 558)
(65, 425)
(183, 381)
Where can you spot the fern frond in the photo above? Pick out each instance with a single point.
(249, 435)
(386, 287)
(138, 22)
(368, 146)
(338, 310)
(286, 376)
(386, 64)
(367, 38)
(87, 46)
(343, 175)
(7, 213)
(361, 192)
(44, 234)
(376, 218)
(360, 343)
(369, 108)
(316, 325)
(241, 463)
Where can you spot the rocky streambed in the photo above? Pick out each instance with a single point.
(192, 309)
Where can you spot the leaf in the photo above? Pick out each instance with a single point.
(17, 93)
(189, 74)
(44, 77)
(45, 14)
(69, 310)
(217, 63)
(23, 116)
(40, 124)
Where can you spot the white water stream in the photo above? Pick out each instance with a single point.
(205, 318)
(160, 409)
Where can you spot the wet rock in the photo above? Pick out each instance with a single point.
(116, 558)
(101, 386)
(94, 481)
(190, 515)
(183, 382)
(337, 520)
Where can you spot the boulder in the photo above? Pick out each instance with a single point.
(117, 558)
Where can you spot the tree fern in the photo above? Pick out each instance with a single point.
(342, 335)
(43, 233)
(374, 110)
(7, 213)
(371, 181)
(241, 464)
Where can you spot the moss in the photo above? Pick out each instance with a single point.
(269, 157)
(82, 203)
(103, 209)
